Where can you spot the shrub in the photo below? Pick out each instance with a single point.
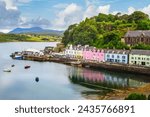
(135, 96)
(148, 97)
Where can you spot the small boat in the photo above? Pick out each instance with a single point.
(78, 63)
(37, 79)
(87, 66)
(27, 66)
(12, 65)
(7, 70)
(17, 57)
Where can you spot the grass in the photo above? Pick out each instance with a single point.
(29, 38)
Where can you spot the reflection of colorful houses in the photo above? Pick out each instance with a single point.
(92, 75)
(97, 78)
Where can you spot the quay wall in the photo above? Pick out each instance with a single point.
(120, 67)
(103, 65)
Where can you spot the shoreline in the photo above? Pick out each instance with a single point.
(122, 94)
(134, 69)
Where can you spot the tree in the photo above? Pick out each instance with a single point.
(138, 16)
(143, 25)
(105, 31)
(67, 38)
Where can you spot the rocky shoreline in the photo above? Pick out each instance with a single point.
(122, 94)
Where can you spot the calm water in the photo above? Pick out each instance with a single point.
(57, 81)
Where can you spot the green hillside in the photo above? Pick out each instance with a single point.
(106, 31)
(28, 38)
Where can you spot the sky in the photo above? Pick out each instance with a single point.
(59, 14)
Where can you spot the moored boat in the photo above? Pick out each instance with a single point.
(27, 66)
(13, 65)
(37, 79)
(17, 55)
(7, 70)
(78, 63)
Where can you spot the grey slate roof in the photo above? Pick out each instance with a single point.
(115, 51)
(140, 52)
(138, 33)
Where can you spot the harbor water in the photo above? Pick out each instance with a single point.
(56, 81)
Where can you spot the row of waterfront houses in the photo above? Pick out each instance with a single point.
(87, 53)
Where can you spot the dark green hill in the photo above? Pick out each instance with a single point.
(106, 31)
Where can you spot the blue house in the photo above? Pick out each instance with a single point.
(117, 56)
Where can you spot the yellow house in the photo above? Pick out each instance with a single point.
(139, 57)
(79, 52)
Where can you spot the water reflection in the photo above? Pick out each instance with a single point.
(103, 80)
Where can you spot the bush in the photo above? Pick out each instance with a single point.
(148, 97)
(135, 96)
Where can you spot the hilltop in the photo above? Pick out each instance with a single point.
(107, 31)
(36, 30)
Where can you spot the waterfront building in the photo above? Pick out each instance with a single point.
(48, 50)
(34, 52)
(93, 54)
(79, 52)
(88, 53)
(139, 57)
(138, 36)
(75, 52)
(116, 56)
(70, 51)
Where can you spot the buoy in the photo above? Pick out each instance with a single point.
(12, 65)
(37, 79)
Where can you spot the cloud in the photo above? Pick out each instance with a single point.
(10, 4)
(93, 10)
(69, 15)
(60, 6)
(38, 22)
(103, 9)
(9, 17)
(90, 11)
(146, 10)
(74, 13)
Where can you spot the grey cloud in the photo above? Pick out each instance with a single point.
(8, 17)
(40, 22)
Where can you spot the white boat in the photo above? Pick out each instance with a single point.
(7, 70)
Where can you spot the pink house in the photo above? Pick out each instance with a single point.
(93, 54)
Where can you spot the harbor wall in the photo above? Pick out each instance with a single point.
(120, 67)
(97, 65)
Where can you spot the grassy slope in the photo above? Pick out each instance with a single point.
(28, 38)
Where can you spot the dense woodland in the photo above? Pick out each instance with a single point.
(106, 31)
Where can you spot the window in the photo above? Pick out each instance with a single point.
(108, 56)
(147, 58)
(123, 57)
(118, 56)
(139, 58)
(123, 61)
(132, 58)
(112, 56)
